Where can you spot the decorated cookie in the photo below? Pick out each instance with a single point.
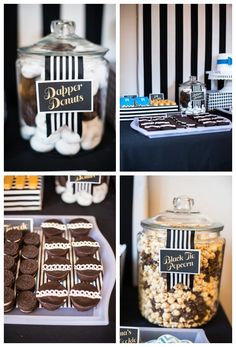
(84, 296)
(79, 227)
(88, 268)
(29, 267)
(31, 239)
(57, 246)
(27, 301)
(52, 295)
(9, 299)
(12, 249)
(57, 268)
(53, 227)
(30, 252)
(9, 263)
(8, 278)
(25, 282)
(85, 246)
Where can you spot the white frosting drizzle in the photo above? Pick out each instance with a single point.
(51, 292)
(53, 225)
(85, 243)
(82, 267)
(160, 126)
(57, 245)
(79, 225)
(85, 294)
(56, 267)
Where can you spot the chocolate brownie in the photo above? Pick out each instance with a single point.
(57, 246)
(25, 282)
(79, 227)
(88, 269)
(53, 227)
(30, 252)
(8, 278)
(14, 235)
(29, 267)
(84, 296)
(12, 249)
(9, 263)
(32, 239)
(9, 299)
(27, 301)
(85, 246)
(52, 295)
(57, 268)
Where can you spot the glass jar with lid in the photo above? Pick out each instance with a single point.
(180, 263)
(192, 96)
(62, 87)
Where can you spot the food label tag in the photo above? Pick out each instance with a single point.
(23, 224)
(159, 96)
(180, 261)
(197, 96)
(85, 179)
(129, 335)
(64, 96)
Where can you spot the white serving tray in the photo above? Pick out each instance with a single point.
(99, 315)
(180, 132)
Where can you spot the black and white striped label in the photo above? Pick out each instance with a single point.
(179, 260)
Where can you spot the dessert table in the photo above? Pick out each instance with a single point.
(203, 152)
(105, 216)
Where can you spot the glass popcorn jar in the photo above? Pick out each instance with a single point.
(180, 263)
(62, 87)
(192, 96)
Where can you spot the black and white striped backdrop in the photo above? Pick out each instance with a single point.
(176, 41)
(24, 24)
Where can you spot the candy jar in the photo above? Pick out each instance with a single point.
(192, 96)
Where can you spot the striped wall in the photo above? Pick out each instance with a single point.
(173, 42)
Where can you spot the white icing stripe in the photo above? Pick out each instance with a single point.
(85, 243)
(57, 245)
(53, 225)
(85, 294)
(51, 292)
(79, 225)
(56, 267)
(88, 267)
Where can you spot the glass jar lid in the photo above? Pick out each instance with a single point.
(63, 41)
(182, 216)
(192, 81)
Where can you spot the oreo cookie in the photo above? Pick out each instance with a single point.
(8, 278)
(9, 263)
(88, 269)
(27, 301)
(52, 295)
(84, 296)
(25, 282)
(85, 246)
(57, 268)
(14, 235)
(29, 252)
(53, 227)
(9, 299)
(57, 246)
(79, 227)
(31, 239)
(29, 267)
(12, 249)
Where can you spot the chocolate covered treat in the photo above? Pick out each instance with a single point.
(29, 267)
(29, 252)
(52, 295)
(27, 301)
(79, 227)
(53, 227)
(32, 239)
(12, 249)
(9, 263)
(57, 246)
(84, 296)
(88, 269)
(57, 268)
(8, 278)
(9, 299)
(25, 282)
(13, 235)
(85, 246)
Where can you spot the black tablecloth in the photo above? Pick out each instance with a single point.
(208, 152)
(105, 216)
(218, 330)
(19, 156)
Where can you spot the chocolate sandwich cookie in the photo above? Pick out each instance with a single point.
(84, 296)
(57, 246)
(9, 263)
(14, 235)
(88, 269)
(53, 227)
(85, 246)
(29, 267)
(9, 299)
(25, 282)
(32, 239)
(57, 268)
(12, 249)
(27, 301)
(8, 278)
(52, 295)
(79, 227)
(29, 252)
